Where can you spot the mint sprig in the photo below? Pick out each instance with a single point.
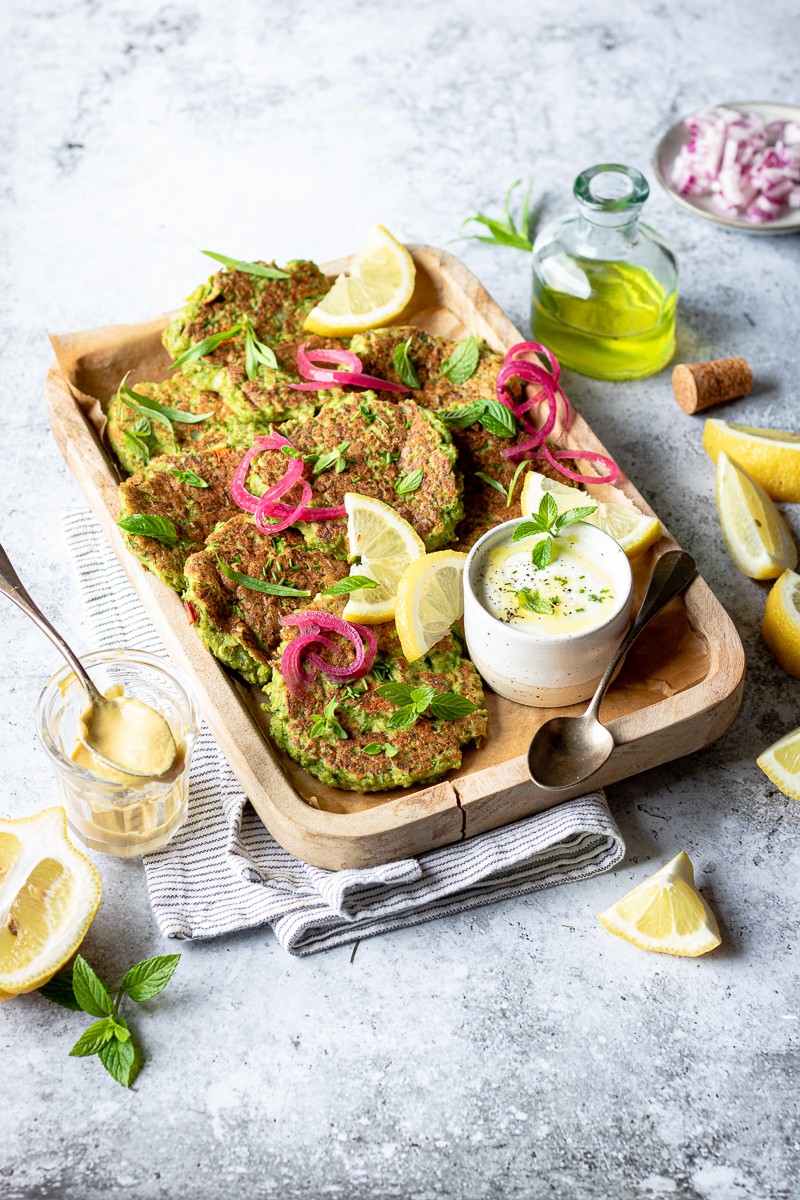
(491, 414)
(411, 703)
(325, 724)
(332, 458)
(549, 521)
(109, 1037)
(189, 477)
(256, 353)
(463, 362)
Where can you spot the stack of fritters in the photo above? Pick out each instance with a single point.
(351, 441)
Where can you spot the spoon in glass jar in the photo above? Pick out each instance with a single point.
(121, 731)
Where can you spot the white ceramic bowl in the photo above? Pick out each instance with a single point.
(540, 669)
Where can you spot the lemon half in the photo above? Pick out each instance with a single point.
(666, 913)
(375, 290)
(49, 894)
(386, 544)
(430, 598)
(770, 456)
(629, 526)
(756, 534)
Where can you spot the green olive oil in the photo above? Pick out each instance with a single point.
(624, 329)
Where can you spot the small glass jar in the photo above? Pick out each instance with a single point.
(108, 810)
(605, 287)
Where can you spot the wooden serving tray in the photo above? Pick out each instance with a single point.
(679, 689)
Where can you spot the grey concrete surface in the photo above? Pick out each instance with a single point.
(519, 1051)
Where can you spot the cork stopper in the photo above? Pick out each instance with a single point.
(700, 385)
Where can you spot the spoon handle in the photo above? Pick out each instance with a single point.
(12, 587)
(673, 572)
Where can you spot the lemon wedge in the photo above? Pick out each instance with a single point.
(386, 544)
(49, 894)
(666, 913)
(781, 627)
(632, 529)
(770, 456)
(430, 597)
(781, 764)
(756, 534)
(373, 292)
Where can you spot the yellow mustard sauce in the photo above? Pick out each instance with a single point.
(573, 593)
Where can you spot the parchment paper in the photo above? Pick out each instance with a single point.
(668, 658)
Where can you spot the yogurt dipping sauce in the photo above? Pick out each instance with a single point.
(543, 637)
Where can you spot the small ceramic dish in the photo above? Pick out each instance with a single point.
(537, 667)
(703, 206)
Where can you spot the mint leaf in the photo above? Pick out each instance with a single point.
(91, 992)
(389, 750)
(533, 601)
(401, 718)
(207, 346)
(395, 693)
(260, 585)
(58, 990)
(548, 510)
(372, 748)
(93, 1039)
(151, 415)
(528, 529)
(462, 417)
(119, 1027)
(151, 525)
(189, 477)
(404, 366)
(573, 515)
(333, 458)
(463, 362)
(248, 268)
(542, 553)
(149, 977)
(497, 419)
(421, 697)
(120, 1060)
(449, 706)
(350, 583)
(406, 485)
(493, 483)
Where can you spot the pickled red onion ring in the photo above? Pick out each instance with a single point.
(239, 493)
(297, 678)
(309, 369)
(553, 456)
(270, 515)
(535, 348)
(269, 526)
(308, 514)
(349, 379)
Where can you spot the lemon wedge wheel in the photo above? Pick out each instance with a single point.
(770, 456)
(373, 292)
(632, 529)
(430, 597)
(781, 764)
(756, 534)
(781, 628)
(385, 544)
(666, 913)
(49, 894)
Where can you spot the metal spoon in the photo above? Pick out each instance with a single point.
(118, 720)
(566, 750)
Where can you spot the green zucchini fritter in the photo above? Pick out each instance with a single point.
(194, 511)
(237, 624)
(424, 751)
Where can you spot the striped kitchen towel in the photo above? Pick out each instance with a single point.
(223, 872)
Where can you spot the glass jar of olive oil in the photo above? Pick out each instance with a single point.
(605, 287)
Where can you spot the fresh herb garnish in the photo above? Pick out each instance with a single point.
(514, 480)
(175, 415)
(380, 748)
(325, 724)
(491, 414)
(333, 458)
(533, 601)
(506, 233)
(493, 483)
(248, 268)
(404, 366)
(110, 1037)
(260, 585)
(256, 353)
(207, 346)
(463, 362)
(550, 521)
(189, 477)
(136, 438)
(410, 704)
(150, 525)
(350, 583)
(381, 670)
(406, 485)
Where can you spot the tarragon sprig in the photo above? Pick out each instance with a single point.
(110, 1036)
(506, 233)
(550, 521)
(256, 353)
